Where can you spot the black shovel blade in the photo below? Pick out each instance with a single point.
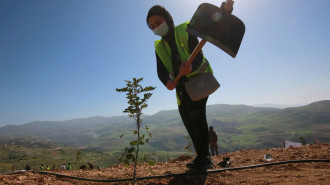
(221, 29)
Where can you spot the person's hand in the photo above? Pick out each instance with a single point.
(185, 69)
(170, 85)
(227, 6)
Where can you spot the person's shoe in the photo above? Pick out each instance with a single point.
(202, 164)
(192, 163)
(205, 163)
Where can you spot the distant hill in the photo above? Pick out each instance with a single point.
(279, 106)
(74, 132)
(238, 127)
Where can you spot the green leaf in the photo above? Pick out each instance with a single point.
(141, 142)
(131, 150)
(144, 106)
(133, 143)
(135, 132)
(121, 135)
(129, 156)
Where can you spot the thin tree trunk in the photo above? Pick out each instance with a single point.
(137, 147)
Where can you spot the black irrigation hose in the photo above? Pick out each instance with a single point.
(183, 174)
(270, 164)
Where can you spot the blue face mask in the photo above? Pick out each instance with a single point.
(161, 30)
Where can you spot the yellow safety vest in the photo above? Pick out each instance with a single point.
(163, 50)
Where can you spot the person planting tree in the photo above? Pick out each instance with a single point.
(172, 51)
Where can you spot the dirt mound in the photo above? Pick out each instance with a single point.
(293, 173)
(182, 158)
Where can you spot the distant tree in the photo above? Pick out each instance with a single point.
(136, 104)
(78, 157)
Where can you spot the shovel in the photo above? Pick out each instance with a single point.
(224, 30)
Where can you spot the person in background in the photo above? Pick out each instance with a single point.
(63, 167)
(69, 167)
(213, 138)
(83, 167)
(90, 166)
(27, 167)
(41, 167)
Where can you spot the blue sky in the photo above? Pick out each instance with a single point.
(63, 59)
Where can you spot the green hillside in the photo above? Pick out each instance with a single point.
(238, 127)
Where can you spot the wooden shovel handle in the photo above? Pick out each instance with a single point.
(228, 5)
(192, 57)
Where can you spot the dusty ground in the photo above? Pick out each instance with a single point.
(296, 173)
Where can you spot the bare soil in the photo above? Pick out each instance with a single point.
(293, 173)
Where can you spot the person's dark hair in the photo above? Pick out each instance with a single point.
(161, 11)
(169, 37)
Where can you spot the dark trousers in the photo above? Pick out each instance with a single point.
(214, 148)
(193, 115)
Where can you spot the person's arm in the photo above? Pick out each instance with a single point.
(196, 63)
(162, 72)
